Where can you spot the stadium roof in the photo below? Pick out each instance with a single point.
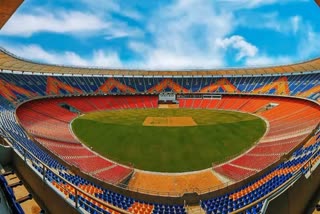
(7, 8)
(14, 63)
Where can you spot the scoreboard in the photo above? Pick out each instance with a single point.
(167, 97)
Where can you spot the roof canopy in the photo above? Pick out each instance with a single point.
(13, 63)
(7, 8)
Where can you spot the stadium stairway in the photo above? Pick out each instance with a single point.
(19, 198)
(195, 209)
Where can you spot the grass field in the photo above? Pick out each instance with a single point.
(120, 136)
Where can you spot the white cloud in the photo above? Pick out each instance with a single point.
(309, 44)
(102, 7)
(183, 38)
(265, 60)
(66, 22)
(121, 33)
(61, 22)
(270, 21)
(198, 34)
(295, 22)
(245, 49)
(162, 59)
(250, 4)
(99, 58)
(182, 35)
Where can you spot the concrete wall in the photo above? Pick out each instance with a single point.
(6, 153)
(296, 199)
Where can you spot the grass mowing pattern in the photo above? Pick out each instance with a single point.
(120, 136)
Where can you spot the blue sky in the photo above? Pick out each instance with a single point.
(164, 34)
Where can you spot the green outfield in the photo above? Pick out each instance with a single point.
(212, 137)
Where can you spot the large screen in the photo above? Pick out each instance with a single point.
(167, 97)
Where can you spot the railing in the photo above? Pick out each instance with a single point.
(279, 190)
(75, 191)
